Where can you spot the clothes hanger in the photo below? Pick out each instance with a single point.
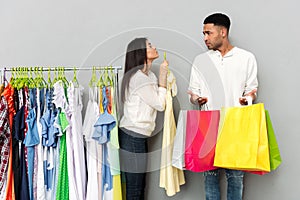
(15, 78)
(12, 76)
(31, 79)
(111, 77)
(44, 82)
(26, 77)
(106, 77)
(75, 81)
(60, 76)
(55, 79)
(49, 83)
(93, 82)
(22, 79)
(100, 82)
(64, 79)
(37, 79)
(165, 58)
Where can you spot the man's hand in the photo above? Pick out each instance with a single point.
(195, 99)
(243, 100)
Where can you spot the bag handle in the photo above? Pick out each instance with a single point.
(203, 107)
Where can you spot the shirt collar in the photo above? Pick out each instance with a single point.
(217, 53)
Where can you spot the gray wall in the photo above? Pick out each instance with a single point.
(85, 33)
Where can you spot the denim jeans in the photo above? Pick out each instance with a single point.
(234, 184)
(133, 160)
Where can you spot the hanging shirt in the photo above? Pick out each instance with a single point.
(105, 123)
(76, 159)
(62, 190)
(8, 93)
(15, 148)
(170, 177)
(20, 173)
(31, 139)
(92, 112)
(40, 180)
(4, 142)
(60, 101)
(50, 147)
(113, 145)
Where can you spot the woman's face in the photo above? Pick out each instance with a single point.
(151, 51)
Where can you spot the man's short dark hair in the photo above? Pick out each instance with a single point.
(218, 19)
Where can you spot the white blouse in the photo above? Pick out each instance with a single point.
(143, 99)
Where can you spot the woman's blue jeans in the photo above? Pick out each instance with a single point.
(234, 184)
(133, 160)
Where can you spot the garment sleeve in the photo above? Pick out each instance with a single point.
(251, 82)
(197, 83)
(153, 95)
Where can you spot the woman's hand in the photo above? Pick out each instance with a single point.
(163, 72)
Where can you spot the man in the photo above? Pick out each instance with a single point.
(223, 76)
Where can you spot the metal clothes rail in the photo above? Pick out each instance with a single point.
(52, 68)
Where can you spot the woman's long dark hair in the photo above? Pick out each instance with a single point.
(136, 58)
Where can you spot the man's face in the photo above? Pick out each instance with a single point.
(213, 37)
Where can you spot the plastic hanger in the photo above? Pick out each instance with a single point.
(75, 81)
(4, 80)
(31, 80)
(37, 78)
(111, 77)
(12, 79)
(100, 82)
(55, 77)
(42, 78)
(93, 82)
(106, 77)
(17, 77)
(165, 58)
(64, 79)
(22, 79)
(49, 83)
(60, 76)
(26, 77)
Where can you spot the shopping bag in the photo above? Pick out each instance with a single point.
(242, 142)
(179, 141)
(275, 158)
(201, 136)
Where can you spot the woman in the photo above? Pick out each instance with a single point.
(142, 95)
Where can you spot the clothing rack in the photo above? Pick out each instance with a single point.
(58, 68)
(52, 68)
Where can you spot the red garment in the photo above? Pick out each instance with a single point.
(10, 190)
(109, 98)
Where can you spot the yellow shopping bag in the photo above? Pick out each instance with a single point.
(242, 139)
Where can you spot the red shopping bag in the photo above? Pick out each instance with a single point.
(201, 137)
